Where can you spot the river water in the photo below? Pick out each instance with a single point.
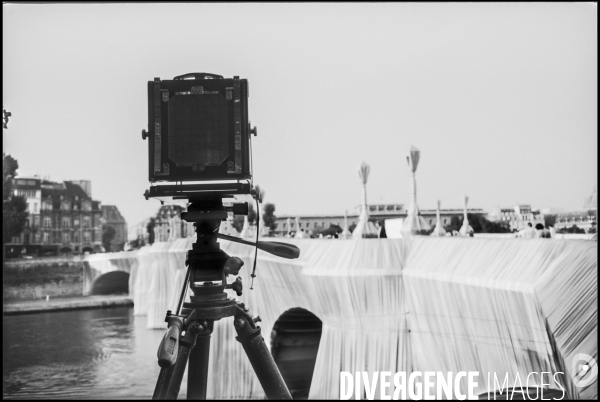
(97, 354)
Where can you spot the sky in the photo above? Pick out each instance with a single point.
(500, 98)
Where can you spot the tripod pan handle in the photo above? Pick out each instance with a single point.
(279, 249)
(169, 346)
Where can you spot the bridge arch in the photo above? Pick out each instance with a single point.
(114, 282)
(294, 346)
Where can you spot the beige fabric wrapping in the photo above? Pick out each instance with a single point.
(420, 304)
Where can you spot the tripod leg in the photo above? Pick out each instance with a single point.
(169, 389)
(185, 346)
(262, 362)
(198, 367)
(164, 379)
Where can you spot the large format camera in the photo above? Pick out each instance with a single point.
(199, 137)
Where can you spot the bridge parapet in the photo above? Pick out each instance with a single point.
(96, 265)
(424, 304)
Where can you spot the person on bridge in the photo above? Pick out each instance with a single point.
(528, 232)
(552, 231)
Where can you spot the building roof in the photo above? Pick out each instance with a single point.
(315, 216)
(74, 190)
(111, 214)
(575, 215)
(66, 191)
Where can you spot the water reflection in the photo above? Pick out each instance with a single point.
(106, 353)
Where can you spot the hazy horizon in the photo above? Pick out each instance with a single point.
(500, 98)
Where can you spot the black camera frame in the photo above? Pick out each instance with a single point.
(231, 94)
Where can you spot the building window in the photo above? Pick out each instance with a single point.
(86, 221)
(37, 237)
(86, 236)
(47, 222)
(15, 239)
(445, 221)
(284, 225)
(26, 223)
(47, 205)
(35, 208)
(76, 223)
(66, 237)
(65, 223)
(46, 237)
(76, 237)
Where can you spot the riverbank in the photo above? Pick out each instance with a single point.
(15, 307)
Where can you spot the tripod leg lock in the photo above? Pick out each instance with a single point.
(167, 351)
(245, 331)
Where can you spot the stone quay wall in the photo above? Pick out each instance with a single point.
(41, 277)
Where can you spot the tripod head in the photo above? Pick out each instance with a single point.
(207, 261)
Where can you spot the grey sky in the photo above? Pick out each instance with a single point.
(501, 99)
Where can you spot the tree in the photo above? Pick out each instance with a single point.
(572, 229)
(549, 220)
(9, 171)
(493, 227)
(108, 234)
(455, 222)
(332, 230)
(14, 208)
(269, 218)
(251, 213)
(150, 230)
(238, 222)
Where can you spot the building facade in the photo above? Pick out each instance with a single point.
(518, 217)
(377, 213)
(63, 219)
(582, 219)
